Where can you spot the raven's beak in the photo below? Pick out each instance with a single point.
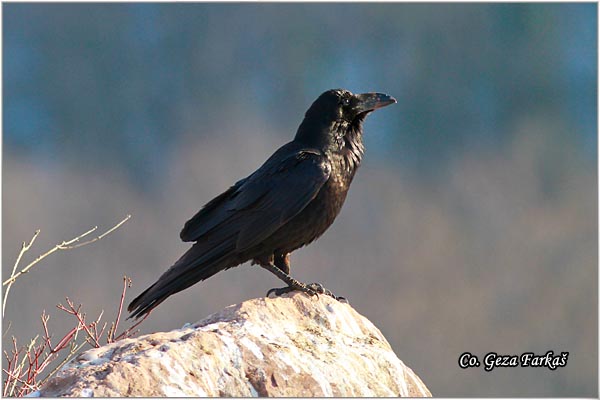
(372, 101)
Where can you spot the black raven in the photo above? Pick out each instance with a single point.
(286, 204)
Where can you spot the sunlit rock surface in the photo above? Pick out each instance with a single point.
(293, 345)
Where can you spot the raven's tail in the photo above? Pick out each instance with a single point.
(147, 301)
(195, 265)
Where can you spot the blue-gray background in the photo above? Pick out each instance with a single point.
(471, 225)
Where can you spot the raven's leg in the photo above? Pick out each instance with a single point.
(282, 261)
(281, 269)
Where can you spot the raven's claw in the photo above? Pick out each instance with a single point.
(319, 288)
(287, 289)
(312, 289)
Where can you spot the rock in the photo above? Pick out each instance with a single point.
(293, 345)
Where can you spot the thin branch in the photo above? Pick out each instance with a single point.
(45, 318)
(18, 368)
(46, 254)
(7, 329)
(25, 364)
(113, 329)
(12, 365)
(92, 339)
(24, 248)
(65, 245)
(65, 340)
(16, 379)
(98, 237)
(130, 331)
(74, 350)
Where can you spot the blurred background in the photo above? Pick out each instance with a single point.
(470, 226)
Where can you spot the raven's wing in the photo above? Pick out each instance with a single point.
(209, 215)
(260, 204)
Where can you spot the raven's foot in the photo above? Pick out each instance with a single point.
(301, 287)
(292, 284)
(319, 288)
(310, 289)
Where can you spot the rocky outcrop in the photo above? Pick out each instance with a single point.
(293, 345)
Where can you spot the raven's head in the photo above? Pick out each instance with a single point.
(336, 114)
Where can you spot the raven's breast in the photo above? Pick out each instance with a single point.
(316, 217)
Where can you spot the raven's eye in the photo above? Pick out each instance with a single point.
(346, 102)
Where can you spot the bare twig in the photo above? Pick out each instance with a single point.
(24, 248)
(113, 329)
(45, 318)
(16, 371)
(74, 349)
(91, 337)
(46, 254)
(14, 380)
(65, 245)
(129, 332)
(11, 366)
(65, 340)
(97, 237)
(25, 364)
(7, 329)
